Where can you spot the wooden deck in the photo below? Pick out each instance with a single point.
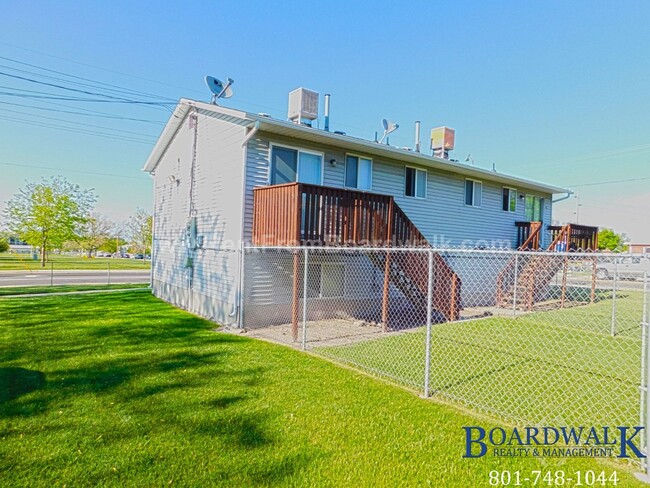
(300, 214)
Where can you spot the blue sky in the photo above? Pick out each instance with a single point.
(554, 91)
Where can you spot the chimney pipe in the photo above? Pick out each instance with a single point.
(327, 112)
(417, 136)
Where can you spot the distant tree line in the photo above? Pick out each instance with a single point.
(55, 214)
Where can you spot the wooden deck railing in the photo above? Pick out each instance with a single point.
(300, 213)
(573, 237)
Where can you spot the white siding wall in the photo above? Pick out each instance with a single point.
(442, 217)
(209, 287)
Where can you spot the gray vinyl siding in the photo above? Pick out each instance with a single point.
(442, 217)
(209, 287)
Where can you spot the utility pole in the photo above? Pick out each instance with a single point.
(578, 205)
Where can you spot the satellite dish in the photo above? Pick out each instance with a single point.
(218, 88)
(388, 128)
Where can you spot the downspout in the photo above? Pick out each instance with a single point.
(238, 299)
(565, 197)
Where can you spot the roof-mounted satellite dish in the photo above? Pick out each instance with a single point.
(218, 88)
(388, 128)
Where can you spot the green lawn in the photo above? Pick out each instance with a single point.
(123, 390)
(27, 290)
(554, 367)
(13, 262)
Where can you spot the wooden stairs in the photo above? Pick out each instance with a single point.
(524, 282)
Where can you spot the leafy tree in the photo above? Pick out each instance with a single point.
(47, 214)
(112, 244)
(140, 230)
(608, 239)
(4, 244)
(94, 233)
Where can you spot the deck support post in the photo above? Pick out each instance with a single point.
(295, 305)
(386, 292)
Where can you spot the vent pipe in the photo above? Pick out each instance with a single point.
(417, 136)
(327, 112)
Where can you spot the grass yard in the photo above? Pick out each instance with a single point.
(16, 262)
(122, 390)
(28, 290)
(559, 367)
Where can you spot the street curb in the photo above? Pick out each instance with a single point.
(82, 292)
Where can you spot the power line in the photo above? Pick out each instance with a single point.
(50, 96)
(109, 86)
(611, 182)
(108, 70)
(153, 137)
(93, 113)
(76, 90)
(143, 178)
(78, 131)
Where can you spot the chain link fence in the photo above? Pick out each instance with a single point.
(22, 270)
(543, 338)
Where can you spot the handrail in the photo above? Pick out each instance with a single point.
(532, 242)
(562, 236)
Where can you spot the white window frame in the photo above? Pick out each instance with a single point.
(299, 150)
(510, 190)
(473, 205)
(426, 180)
(345, 171)
(541, 207)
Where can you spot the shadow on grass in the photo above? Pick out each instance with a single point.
(139, 369)
(15, 382)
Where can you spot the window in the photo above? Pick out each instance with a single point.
(358, 172)
(473, 193)
(290, 165)
(325, 280)
(534, 208)
(332, 280)
(416, 183)
(509, 200)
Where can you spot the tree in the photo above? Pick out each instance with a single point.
(4, 244)
(140, 230)
(94, 233)
(608, 239)
(47, 214)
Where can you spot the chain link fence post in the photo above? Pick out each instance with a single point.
(514, 292)
(304, 299)
(108, 272)
(614, 286)
(645, 374)
(52, 273)
(427, 350)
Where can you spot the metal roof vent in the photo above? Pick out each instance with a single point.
(303, 104)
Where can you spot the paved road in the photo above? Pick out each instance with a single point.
(80, 277)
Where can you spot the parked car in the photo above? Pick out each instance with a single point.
(626, 267)
(137, 256)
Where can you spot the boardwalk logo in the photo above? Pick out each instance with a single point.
(621, 442)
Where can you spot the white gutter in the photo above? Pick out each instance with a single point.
(567, 196)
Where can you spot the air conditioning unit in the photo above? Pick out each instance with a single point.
(303, 104)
